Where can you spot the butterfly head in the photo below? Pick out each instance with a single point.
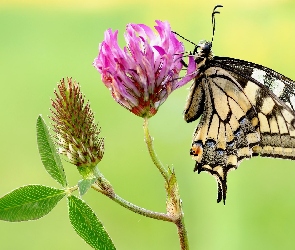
(203, 51)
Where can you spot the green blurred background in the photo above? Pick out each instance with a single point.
(43, 41)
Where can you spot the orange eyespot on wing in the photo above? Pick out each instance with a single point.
(196, 150)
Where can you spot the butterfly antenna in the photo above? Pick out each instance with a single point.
(184, 38)
(214, 12)
(183, 63)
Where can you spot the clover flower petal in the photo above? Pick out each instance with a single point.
(144, 73)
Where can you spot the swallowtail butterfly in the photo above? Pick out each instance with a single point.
(246, 110)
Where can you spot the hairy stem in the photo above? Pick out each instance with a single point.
(182, 233)
(132, 207)
(173, 202)
(149, 142)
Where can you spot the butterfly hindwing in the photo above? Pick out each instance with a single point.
(228, 126)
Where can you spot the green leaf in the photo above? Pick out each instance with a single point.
(87, 225)
(85, 184)
(29, 202)
(50, 158)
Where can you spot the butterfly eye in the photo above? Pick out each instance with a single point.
(207, 47)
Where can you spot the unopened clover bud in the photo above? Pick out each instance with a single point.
(76, 133)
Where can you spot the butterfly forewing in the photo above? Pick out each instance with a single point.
(272, 95)
(279, 85)
(195, 103)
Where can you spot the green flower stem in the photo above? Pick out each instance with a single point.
(142, 211)
(132, 207)
(149, 142)
(170, 189)
(182, 233)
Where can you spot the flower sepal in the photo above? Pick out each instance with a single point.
(88, 172)
(90, 176)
